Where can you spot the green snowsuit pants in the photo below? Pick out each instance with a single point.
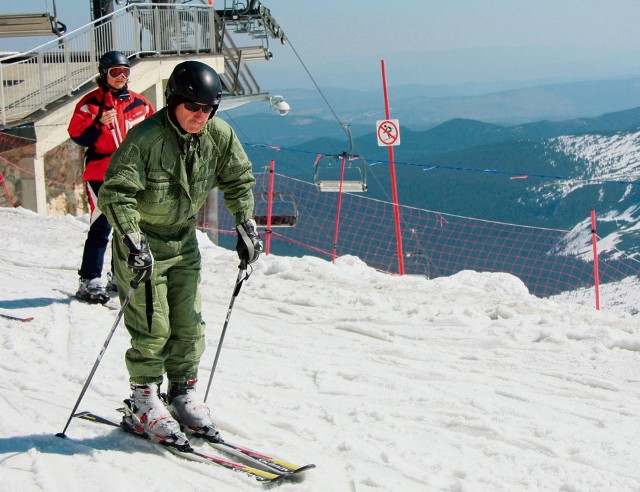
(171, 339)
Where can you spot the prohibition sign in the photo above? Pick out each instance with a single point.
(388, 133)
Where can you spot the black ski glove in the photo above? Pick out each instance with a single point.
(249, 245)
(140, 258)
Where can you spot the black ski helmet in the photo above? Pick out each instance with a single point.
(196, 82)
(112, 59)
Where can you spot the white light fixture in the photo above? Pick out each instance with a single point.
(280, 105)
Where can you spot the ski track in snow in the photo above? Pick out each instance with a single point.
(386, 383)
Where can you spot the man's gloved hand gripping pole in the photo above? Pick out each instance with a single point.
(140, 258)
(249, 245)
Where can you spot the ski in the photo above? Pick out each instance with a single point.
(192, 455)
(16, 318)
(237, 451)
(275, 464)
(111, 304)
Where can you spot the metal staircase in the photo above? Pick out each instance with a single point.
(34, 82)
(252, 18)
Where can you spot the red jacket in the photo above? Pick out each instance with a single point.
(101, 141)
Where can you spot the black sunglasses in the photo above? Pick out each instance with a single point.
(194, 107)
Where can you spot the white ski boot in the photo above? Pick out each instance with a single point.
(188, 409)
(147, 414)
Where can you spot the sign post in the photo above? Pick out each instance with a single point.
(388, 132)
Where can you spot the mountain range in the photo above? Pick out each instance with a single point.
(421, 107)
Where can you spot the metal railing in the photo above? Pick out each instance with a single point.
(32, 80)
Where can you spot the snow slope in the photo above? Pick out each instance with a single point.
(386, 383)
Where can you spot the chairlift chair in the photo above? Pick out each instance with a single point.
(328, 171)
(284, 209)
(32, 24)
(345, 172)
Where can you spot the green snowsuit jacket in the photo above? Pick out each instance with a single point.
(156, 181)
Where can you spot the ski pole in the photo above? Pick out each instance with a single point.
(134, 286)
(16, 318)
(236, 290)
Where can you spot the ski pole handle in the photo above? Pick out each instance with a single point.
(136, 280)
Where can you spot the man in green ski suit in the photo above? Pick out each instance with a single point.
(157, 180)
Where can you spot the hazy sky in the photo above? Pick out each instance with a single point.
(460, 41)
(341, 42)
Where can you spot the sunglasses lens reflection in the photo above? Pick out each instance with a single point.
(194, 108)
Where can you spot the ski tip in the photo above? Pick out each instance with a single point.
(304, 468)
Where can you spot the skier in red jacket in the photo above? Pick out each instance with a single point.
(100, 122)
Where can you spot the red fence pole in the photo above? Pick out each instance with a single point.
(272, 168)
(6, 190)
(334, 253)
(394, 189)
(596, 270)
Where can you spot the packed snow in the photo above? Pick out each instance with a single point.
(386, 383)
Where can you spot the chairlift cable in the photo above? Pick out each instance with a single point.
(317, 87)
(344, 126)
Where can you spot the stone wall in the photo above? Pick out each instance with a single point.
(65, 188)
(63, 177)
(16, 168)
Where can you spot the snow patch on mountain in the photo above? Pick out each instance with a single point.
(611, 162)
(601, 158)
